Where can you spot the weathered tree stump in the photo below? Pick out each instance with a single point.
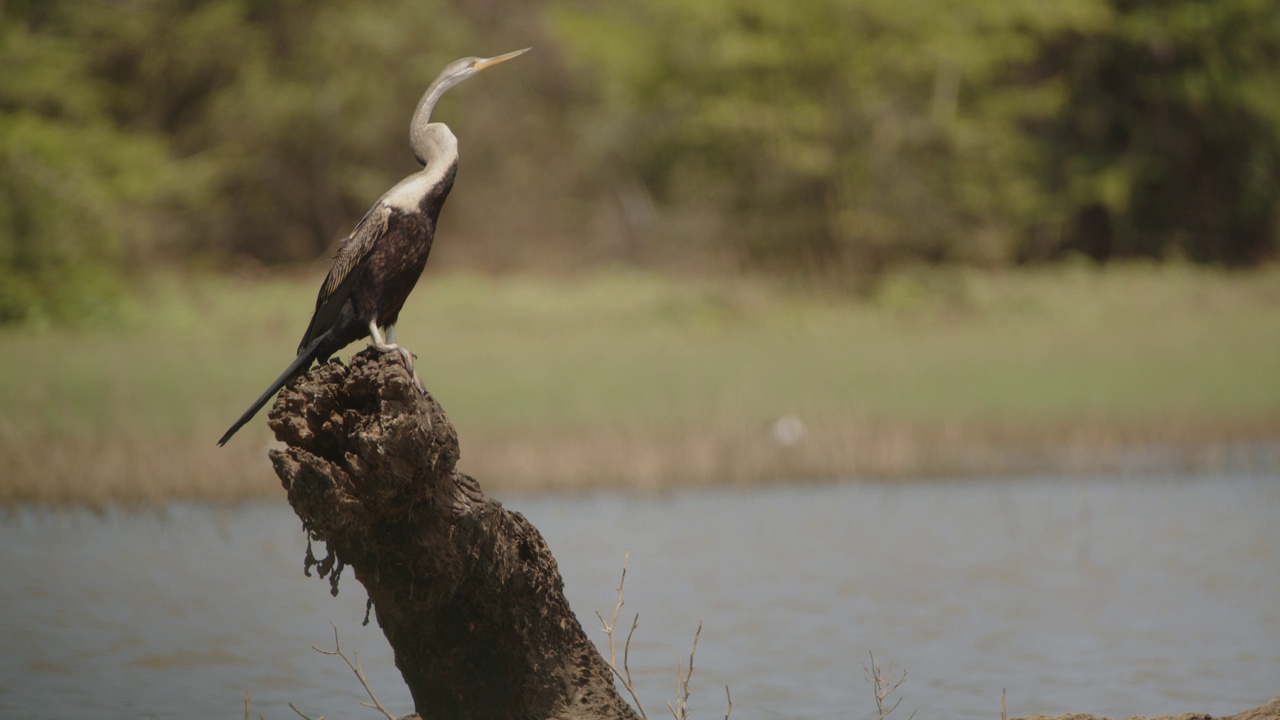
(467, 592)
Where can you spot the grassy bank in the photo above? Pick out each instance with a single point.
(621, 378)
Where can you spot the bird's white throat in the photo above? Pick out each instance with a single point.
(439, 148)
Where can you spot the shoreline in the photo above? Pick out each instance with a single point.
(131, 469)
(1267, 711)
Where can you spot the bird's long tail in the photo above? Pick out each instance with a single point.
(297, 367)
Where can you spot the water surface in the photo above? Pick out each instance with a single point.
(1108, 596)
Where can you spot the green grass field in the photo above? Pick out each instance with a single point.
(647, 355)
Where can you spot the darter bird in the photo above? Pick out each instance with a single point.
(380, 262)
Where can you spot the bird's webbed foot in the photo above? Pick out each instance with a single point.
(408, 358)
(383, 346)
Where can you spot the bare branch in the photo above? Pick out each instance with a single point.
(884, 685)
(358, 670)
(626, 647)
(623, 675)
(303, 715)
(729, 702)
(681, 709)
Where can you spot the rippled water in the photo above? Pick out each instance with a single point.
(1106, 596)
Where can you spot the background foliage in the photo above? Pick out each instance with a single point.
(835, 137)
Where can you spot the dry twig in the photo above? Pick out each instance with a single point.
(623, 675)
(680, 711)
(303, 715)
(885, 685)
(358, 670)
(246, 707)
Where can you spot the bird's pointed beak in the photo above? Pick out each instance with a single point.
(490, 62)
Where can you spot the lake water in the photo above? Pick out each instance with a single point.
(1108, 596)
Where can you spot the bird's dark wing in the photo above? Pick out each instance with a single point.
(354, 249)
(334, 292)
(322, 338)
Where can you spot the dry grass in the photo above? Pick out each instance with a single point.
(664, 459)
(128, 469)
(132, 469)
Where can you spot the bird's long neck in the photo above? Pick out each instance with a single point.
(419, 136)
(437, 150)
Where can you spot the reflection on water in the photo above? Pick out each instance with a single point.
(1114, 597)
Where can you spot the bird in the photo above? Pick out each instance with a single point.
(378, 264)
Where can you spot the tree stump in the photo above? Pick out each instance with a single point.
(467, 592)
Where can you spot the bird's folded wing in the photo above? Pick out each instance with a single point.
(354, 249)
(334, 292)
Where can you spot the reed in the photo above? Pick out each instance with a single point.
(140, 469)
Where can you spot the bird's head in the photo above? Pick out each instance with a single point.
(453, 73)
(459, 70)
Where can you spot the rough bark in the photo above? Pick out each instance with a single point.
(467, 592)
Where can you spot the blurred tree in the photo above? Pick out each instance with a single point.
(848, 136)
(284, 114)
(829, 135)
(834, 136)
(76, 187)
(1170, 140)
(139, 131)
